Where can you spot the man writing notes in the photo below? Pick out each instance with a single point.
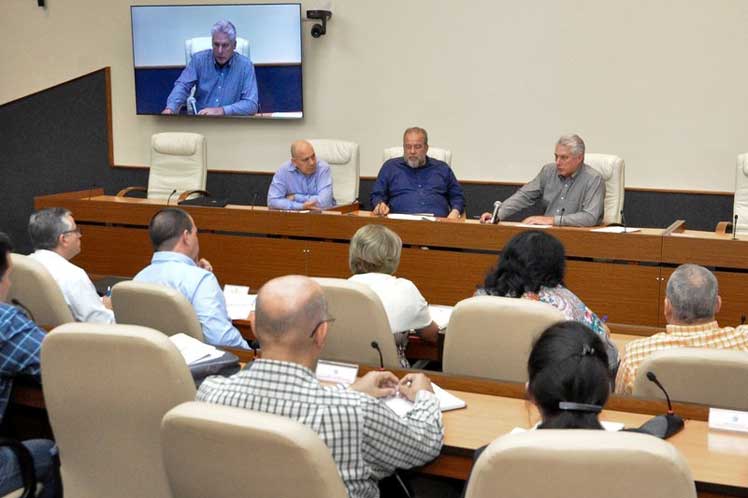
(302, 182)
(226, 83)
(176, 264)
(571, 191)
(416, 183)
(368, 441)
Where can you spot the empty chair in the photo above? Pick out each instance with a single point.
(344, 161)
(226, 452)
(359, 319)
(612, 168)
(178, 162)
(435, 152)
(491, 336)
(694, 375)
(106, 388)
(35, 289)
(563, 463)
(156, 306)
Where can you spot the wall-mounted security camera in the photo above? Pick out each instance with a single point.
(319, 15)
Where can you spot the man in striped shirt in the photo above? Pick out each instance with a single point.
(368, 441)
(692, 300)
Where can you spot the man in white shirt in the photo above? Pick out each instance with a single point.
(56, 240)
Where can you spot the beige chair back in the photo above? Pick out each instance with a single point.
(156, 306)
(740, 204)
(435, 152)
(694, 375)
(200, 43)
(563, 463)
(344, 161)
(359, 319)
(491, 337)
(106, 388)
(178, 161)
(612, 168)
(225, 452)
(34, 287)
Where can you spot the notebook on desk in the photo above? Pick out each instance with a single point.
(447, 401)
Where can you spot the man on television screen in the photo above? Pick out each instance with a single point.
(225, 80)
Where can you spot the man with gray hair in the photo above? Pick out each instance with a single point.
(572, 192)
(368, 441)
(302, 182)
(57, 240)
(226, 82)
(691, 303)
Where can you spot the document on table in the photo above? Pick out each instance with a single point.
(402, 405)
(616, 230)
(239, 303)
(194, 351)
(412, 217)
(527, 225)
(440, 314)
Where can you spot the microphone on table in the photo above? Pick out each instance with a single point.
(495, 214)
(253, 201)
(734, 227)
(561, 219)
(375, 345)
(191, 107)
(168, 200)
(26, 311)
(623, 221)
(661, 426)
(742, 319)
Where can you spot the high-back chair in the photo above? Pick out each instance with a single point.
(226, 452)
(435, 152)
(35, 289)
(359, 319)
(106, 388)
(562, 463)
(156, 306)
(200, 43)
(343, 158)
(178, 162)
(694, 375)
(612, 168)
(491, 336)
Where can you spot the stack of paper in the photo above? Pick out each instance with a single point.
(440, 314)
(402, 405)
(616, 230)
(239, 303)
(194, 351)
(412, 217)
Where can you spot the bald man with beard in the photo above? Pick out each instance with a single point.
(302, 182)
(367, 439)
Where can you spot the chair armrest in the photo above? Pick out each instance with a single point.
(125, 191)
(724, 227)
(184, 195)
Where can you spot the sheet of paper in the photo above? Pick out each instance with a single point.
(527, 225)
(239, 304)
(229, 289)
(447, 401)
(192, 350)
(412, 217)
(440, 314)
(616, 230)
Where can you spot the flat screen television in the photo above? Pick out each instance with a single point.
(183, 67)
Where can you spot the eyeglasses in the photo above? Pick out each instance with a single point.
(314, 330)
(76, 230)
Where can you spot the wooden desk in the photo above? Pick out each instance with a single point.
(618, 275)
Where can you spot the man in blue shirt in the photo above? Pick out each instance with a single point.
(416, 183)
(226, 83)
(175, 264)
(303, 182)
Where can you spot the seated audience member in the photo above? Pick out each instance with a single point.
(303, 182)
(416, 183)
(20, 346)
(367, 439)
(373, 257)
(176, 263)
(572, 192)
(692, 300)
(56, 240)
(532, 266)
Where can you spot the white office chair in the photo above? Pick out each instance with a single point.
(344, 161)
(200, 43)
(179, 161)
(612, 168)
(435, 152)
(33, 287)
(561, 463)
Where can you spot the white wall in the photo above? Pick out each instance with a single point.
(659, 82)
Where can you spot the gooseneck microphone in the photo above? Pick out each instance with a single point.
(623, 221)
(735, 227)
(561, 219)
(168, 200)
(15, 302)
(253, 201)
(662, 426)
(375, 345)
(495, 214)
(653, 378)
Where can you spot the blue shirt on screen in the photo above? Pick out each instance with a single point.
(431, 188)
(233, 86)
(201, 289)
(289, 180)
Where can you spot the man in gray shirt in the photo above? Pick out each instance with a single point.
(571, 191)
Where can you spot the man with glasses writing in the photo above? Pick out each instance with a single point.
(57, 240)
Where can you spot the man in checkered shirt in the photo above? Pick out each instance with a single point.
(368, 441)
(692, 300)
